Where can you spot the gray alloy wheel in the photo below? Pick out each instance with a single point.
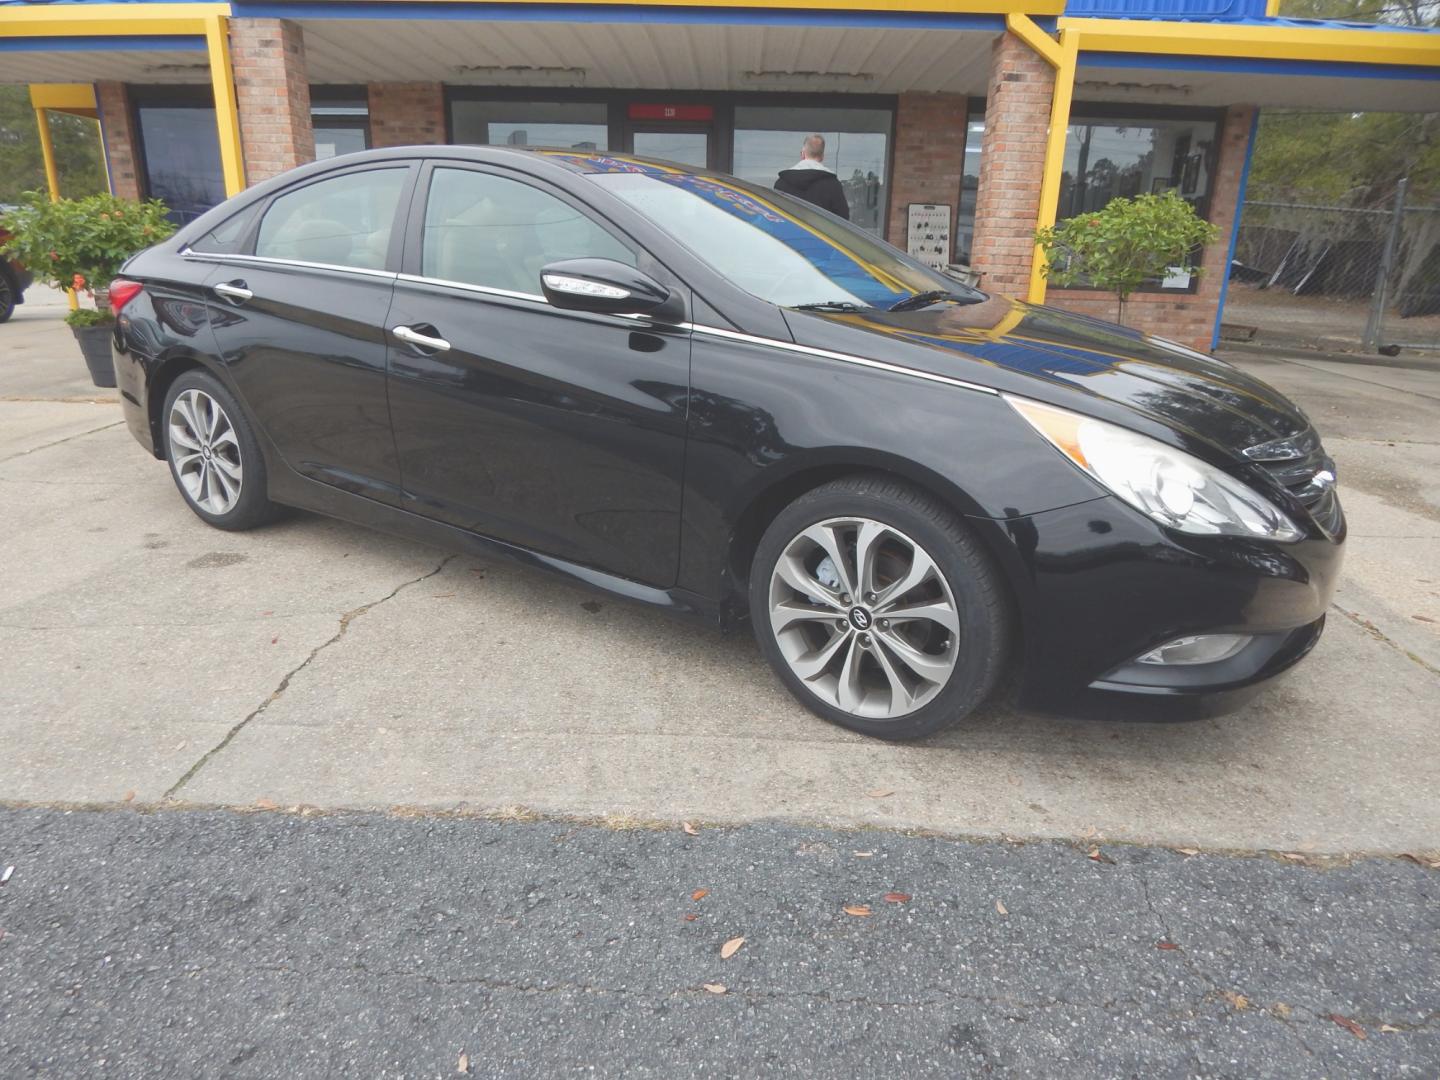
(207, 459)
(864, 617)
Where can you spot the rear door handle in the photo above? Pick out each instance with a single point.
(234, 291)
(411, 336)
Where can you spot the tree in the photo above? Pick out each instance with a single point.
(1125, 244)
(79, 158)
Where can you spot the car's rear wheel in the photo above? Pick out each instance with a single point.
(9, 292)
(878, 609)
(213, 454)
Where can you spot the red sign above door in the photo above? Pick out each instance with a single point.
(671, 112)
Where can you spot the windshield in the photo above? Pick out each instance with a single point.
(774, 247)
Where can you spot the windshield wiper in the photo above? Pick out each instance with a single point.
(925, 299)
(828, 305)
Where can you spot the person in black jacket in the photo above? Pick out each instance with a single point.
(810, 180)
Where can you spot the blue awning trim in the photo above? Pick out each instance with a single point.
(1245, 66)
(618, 13)
(102, 44)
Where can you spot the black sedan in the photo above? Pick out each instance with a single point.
(696, 393)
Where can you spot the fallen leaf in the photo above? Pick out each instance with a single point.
(5, 875)
(1001, 908)
(1281, 1010)
(1188, 850)
(731, 947)
(1292, 856)
(1389, 1028)
(129, 796)
(691, 917)
(896, 898)
(863, 854)
(1423, 618)
(857, 909)
(1090, 831)
(441, 595)
(1349, 1025)
(266, 804)
(699, 894)
(1238, 1002)
(715, 988)
(880, 793)
(690, 830)
(274, 639)
(181, 745)
(1168, 946)
(1099, 856)
(463, 1065)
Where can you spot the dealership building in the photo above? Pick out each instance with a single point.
(956, 126)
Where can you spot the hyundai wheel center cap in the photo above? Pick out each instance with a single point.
(860, 618)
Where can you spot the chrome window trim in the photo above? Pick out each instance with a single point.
(265, 260)
(510, 294)
(483, 290)
(845, 358)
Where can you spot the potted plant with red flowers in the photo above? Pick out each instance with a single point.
(81, 244)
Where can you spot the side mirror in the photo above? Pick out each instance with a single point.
(608, 287)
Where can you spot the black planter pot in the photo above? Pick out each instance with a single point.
(95, 345)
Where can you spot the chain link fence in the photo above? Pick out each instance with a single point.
(1336, 277)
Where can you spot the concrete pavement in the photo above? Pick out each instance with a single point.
(145, 657)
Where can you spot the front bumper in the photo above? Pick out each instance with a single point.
(1098, 585)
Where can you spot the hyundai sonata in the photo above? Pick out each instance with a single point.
(697, 393)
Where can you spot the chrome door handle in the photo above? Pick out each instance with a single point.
(411, 336)
(234, 291)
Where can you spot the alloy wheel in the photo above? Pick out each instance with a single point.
(205, 452)
(864, 617)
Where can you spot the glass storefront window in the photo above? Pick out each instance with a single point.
(340, 116)
(768, 138)
(572, 125)
(181, 148)
(1106, 159)
(969, 186)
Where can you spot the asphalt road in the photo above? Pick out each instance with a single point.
(215, 943)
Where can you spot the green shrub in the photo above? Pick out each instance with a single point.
(82, 243)
(1126, 244)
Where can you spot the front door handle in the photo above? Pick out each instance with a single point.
(234, 291)
(411, 336)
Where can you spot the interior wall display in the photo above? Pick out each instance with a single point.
(928, 233)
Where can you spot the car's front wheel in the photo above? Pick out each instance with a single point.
(878, 609)
(213, 454)
(9, 292)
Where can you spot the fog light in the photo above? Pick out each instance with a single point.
(1199, 649)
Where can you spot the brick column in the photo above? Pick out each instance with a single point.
(272, 92)
(929, 156)
(1188, 318)
(406, 114)
(113, 102)
(1017, 117)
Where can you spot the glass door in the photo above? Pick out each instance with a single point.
(686, 147)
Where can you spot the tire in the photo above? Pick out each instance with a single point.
(891, 678)
(9, 292)
(220, 473)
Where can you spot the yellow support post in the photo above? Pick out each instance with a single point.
(227, 112)
(1054, 154)
(52, 176)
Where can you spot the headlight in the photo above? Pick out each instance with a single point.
(1167, 485)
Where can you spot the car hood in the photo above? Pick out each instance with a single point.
(1031, 350)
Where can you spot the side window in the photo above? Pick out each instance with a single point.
(226, 237)
(487, 230)
(343, 221)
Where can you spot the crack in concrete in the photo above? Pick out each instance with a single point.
(345, 620)
(1380, 635)
(61, 442)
